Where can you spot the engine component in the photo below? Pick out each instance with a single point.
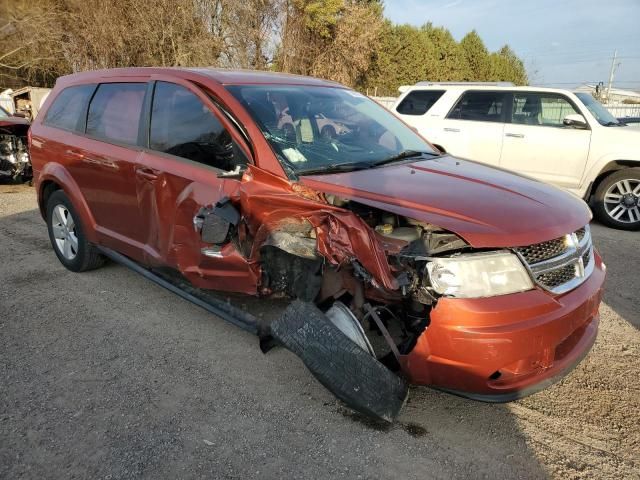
(408, 234)
(14, 157)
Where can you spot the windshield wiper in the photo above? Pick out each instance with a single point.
(614, 124)
(336, 167)
(402, 156)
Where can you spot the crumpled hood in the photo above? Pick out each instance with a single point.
(488, 207)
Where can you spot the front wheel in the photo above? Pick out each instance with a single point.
(617, 200)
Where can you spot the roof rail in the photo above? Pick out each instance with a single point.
(492, 84)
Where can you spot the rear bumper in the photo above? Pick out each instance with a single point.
(503, 348)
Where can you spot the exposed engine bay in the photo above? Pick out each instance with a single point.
(382, 320)
(15, 163)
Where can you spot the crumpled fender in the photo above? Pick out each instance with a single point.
(270, 203)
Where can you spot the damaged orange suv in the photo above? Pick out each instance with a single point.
(383, 261)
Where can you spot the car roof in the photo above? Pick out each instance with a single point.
(475, 86)
(219, 75)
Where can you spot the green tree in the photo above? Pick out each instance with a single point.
(476, 56)
(505, 66)
(450, 63)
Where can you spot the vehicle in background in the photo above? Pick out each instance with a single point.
(567, 139)
(397, 262)
(15, 164)
(633, 122)
(28, 100)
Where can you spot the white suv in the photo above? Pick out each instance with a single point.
(563, 138)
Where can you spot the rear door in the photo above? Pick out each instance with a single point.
(104, 163)
(474, 127)
(191, 150)
(538, 144)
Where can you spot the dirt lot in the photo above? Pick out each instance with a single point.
(105, 375)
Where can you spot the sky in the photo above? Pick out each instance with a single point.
(563, 43)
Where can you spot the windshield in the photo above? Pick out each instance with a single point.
(4, 113)
(602, 115)
(323, 129)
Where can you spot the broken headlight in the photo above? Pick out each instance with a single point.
(478, 275)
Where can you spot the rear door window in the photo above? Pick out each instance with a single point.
(543, 109)
(114, 112)
(183, 126)
(68, 109)
(480, 106)
(419, 102)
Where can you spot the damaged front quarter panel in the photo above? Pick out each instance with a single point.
(274, 209)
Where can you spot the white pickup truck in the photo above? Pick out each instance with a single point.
(556, 136)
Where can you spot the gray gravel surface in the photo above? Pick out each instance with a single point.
(106, 375)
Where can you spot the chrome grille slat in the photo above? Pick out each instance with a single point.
(561, 264)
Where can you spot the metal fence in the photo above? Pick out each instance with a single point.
(621, 111)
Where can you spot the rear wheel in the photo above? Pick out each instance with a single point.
(617, 200)
(67, 237)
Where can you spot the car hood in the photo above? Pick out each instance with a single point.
(486, 206)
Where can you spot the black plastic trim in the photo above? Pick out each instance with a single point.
(222, 309)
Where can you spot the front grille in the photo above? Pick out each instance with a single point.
(557, 277)
(561, 264)
(542, 251)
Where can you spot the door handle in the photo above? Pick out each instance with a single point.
(455, 130)
(74, 153)
(147, 173)
(514, 135)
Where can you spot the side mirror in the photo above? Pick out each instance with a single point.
(575, 120)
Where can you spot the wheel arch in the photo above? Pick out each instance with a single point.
(609, 168)
(55, 177)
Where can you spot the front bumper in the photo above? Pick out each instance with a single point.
(503, 348)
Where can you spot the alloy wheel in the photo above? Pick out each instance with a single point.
(64, 232)
(622, 201)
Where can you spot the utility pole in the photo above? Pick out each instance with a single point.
(613, 68)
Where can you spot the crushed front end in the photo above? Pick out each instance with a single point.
(15, 163)
(488, 324)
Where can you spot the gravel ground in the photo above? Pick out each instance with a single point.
(106, 375)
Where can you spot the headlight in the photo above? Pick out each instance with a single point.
(478, 275)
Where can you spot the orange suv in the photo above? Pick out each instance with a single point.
(397, 263)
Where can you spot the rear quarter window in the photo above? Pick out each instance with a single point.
(114, 112)
(419, 102)
(68, 109)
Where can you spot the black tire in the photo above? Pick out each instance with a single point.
(87, 256)
(600, 208)
(345, 369)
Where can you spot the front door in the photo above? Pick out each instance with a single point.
(538, 144)
(180, 178)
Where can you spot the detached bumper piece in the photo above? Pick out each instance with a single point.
(344, 368)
